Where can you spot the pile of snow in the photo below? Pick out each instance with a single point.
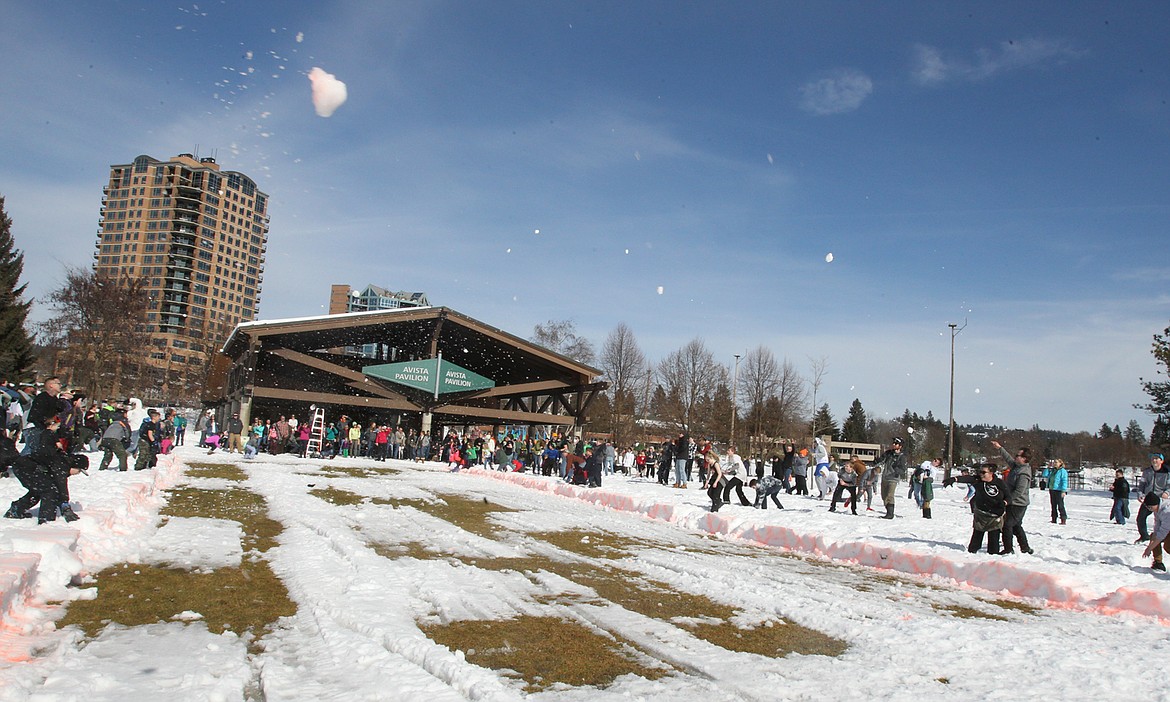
(328, 92)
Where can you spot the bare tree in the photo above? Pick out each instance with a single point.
(624, 365)
(99, 325)
(688, 376)
(759, 379)
(561, 336)
(819, 368)
(791, 402)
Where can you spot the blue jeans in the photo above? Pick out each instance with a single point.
(32, 440)
(1118, 513)
(680, 470)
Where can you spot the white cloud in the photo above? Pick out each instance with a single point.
(843, 91)
(930, 67)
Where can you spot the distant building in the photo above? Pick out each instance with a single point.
(344, 300)
(198, 235)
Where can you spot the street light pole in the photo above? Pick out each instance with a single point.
(734, 398)
(955, 329)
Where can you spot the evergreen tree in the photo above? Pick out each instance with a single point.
(823, 423)
(1160, 434)
(1134, 433)
(856, 427)
(16, 354)
(1159, 391)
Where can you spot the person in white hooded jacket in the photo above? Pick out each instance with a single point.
(135, 415)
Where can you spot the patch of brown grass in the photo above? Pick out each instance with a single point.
(467, 514)
(589, 543)
(249, 598)
(963, 612)
(225, 471)
(337, 496)
(330, 470)
(657, 600)
(406, 549)
(520, 648)
(771, 638)
(1014, 606)
(246, 599)
(236, 504)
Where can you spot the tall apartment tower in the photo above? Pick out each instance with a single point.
(198, 236)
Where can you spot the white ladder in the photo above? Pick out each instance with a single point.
(316, 433)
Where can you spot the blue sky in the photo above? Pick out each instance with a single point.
(1003, 164)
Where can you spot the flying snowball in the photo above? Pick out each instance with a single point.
(508, 251)
(659, 289)
(976, 391)
(300, 37)
(536, 231)
(627, 252)
(328, 92)
(829, 257)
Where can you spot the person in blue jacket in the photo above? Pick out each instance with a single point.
(1057, 487)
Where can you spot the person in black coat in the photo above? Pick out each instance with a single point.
(45, 474)
(593, 467)
(1120, 490)
(988, 507)
(45, 408)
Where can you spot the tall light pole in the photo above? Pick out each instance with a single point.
(646, 407)
(734, 398)
(955, 329)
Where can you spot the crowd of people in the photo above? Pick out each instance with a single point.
(56, 428)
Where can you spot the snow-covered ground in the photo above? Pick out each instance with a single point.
(1101, 613)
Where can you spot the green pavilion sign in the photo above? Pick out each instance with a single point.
(431, 374)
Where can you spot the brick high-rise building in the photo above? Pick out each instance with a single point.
(198, 236)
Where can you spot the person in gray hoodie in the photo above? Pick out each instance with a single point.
(1019, 482)
(1154, 481)
(114, 441)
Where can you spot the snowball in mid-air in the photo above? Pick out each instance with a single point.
(300, 37)
(536, 231)
(829, 257)
(976, 391)
(659, 289)
(328, 92)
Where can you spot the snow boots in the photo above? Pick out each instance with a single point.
(926, 513)
(15, 512)
(889, 512)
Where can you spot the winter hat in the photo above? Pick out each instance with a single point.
(79, 462)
